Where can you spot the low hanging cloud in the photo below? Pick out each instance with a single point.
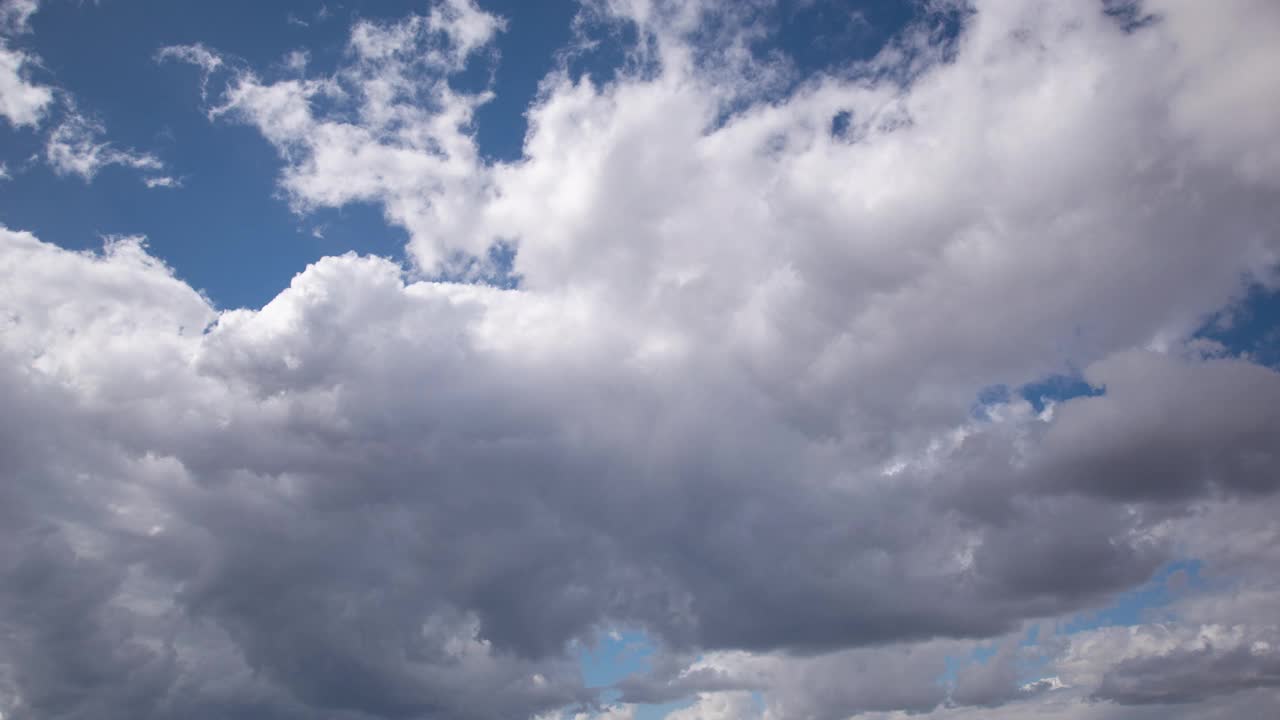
(730, 401)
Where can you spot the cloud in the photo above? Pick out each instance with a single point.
(832, 685)
(296, 434)
(845, 683)
(719, 706)
(1172, 663)
(162, 181)
(613, 712)
(467, 27)
(387, 126)
(1195, 428)
(729, 403)
(75, 147)
(995, 681)
(22, 103)
(15, 16)
(1187, 675)
(198, 55)
(195, 611)
(598, 202)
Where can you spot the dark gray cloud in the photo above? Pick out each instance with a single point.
(1168, 430)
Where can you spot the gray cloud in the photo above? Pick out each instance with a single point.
(1168, 430)
(1190, 675)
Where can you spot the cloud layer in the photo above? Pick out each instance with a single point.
(724, 392)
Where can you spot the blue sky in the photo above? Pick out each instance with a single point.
(634, 359)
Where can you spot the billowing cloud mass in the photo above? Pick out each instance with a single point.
(726, 391)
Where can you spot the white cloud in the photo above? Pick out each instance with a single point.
(15, 15)
(719, 706)
(613, 712)
(467, 27)
(409, 145)
(22, 103)
(162, 181)
(197, 55)
(76, 147)
(297, 60)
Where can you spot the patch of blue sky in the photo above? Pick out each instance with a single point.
(823, 37)
(1148, 603)
(527, 52)
(1250, 327)
(615, 655)
(989, 398)
(1055, 388)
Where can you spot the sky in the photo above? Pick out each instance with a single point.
(639, 359)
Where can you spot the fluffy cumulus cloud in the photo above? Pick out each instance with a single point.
(725, 392)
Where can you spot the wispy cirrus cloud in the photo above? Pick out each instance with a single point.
(76, 147)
